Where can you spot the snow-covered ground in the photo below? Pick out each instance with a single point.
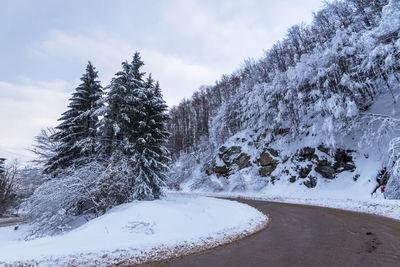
(137, 232)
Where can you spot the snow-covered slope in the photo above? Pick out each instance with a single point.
(137, 232)
(317, 116)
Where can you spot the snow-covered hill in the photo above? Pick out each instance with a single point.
(137, 232)
(318, 115)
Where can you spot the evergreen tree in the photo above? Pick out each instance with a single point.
(134, 130)
(151, 154)
(77, 132)
(123, 110)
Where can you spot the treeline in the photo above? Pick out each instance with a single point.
(109, 148)
(190, 120)
(317, 80)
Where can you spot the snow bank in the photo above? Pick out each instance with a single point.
(138, 232)
(384, 207)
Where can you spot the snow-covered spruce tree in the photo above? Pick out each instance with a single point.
(134, 133)
(123, 110)
(151, 154)
(77, 131)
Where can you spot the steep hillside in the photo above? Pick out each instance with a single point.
(319, 111)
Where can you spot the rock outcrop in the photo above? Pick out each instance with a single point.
(267, 162)
(229, 159)
(307, 165)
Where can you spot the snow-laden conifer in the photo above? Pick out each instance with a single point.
(151, 154)
(134, 132)
(76, 134)
(123, 109)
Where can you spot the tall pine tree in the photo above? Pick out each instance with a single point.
(151, 154)
(76, 134)
(123, 110)
(134, 130)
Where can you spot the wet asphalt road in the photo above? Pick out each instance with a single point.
(300, 235)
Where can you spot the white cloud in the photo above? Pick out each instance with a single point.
(227, 32)
(231, 39)
(24, 110)
(178, 78)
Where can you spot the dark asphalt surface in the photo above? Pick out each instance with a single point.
(300, 235)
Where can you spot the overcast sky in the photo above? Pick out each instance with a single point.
(45, 46)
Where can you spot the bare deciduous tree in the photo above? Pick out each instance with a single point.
(8, 184)
(44, 146)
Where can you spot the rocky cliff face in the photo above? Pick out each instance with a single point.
(266, 162)
(306, 165)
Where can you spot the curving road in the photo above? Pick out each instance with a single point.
(300, 235)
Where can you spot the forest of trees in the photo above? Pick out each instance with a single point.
(291, 81)
(190, 120)
(319, 80)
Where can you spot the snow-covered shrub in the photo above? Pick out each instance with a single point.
(29, 179)
(82, 193)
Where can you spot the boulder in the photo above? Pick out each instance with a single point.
(343, 161)
(307, 153)
(221, 170)
(243, 161)
(229, 156)
(267, 160)
(325, 169)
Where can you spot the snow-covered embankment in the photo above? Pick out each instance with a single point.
(138, 232)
